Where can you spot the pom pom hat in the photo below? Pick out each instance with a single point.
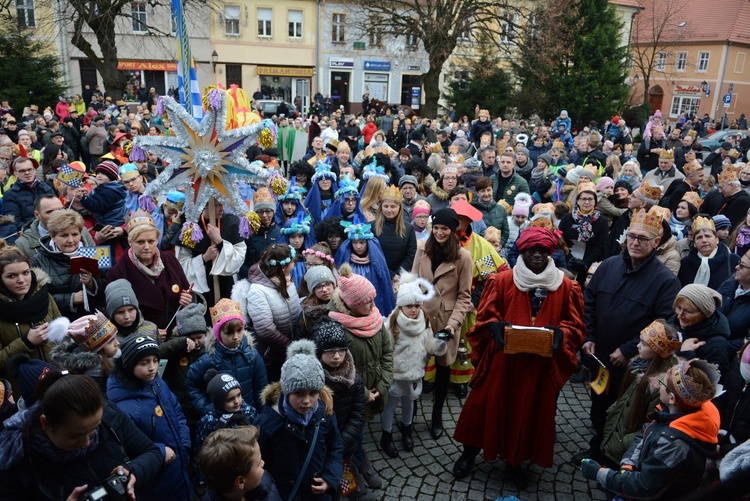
(354, 290)
(410, 290)
(302, 369)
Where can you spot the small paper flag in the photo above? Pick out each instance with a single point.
(101, 253)
(600, 384)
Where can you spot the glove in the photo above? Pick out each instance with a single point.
(497, 329)
(558, 337)
(589, 469)
(577, 265)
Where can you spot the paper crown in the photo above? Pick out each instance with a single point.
(542, 222)
(175, 200)
(586, 186)
(449, 169)
(648, 193)
(728, 175)
(663, 212)
(333, 144)
(558, 144)
(391, 193)
(505, 205)
(140, 218)
(71, 174)
(657, 338)
(691, 167)
(644, 221)
(690, 154)
(686, 388)
(703, 223)
(590, 171)
(436, 148)
(666, 154)
(293, 192)
(129, 171)
(263, 200)
(92, 332)
(733, 153)
(692, 197)
(323, 171)
(297, 226)
(223, 309)
(357, 230)
(346, 188)
(484, 113)
(543, 208)
(492, 233)
(692, 133)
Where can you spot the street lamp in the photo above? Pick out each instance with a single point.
(214, 59)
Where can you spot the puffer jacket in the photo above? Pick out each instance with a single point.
(19, 202)
(494, 215)
(244, 363)
(274, 319)
(348, 402)
(107, 203)
(63, 284)
(667, 254)
(284, 445)
(398, 251)
(174, 351)
(155, 411)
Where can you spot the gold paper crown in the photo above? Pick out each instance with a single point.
(734, 153)
(703, 223)
(436, 148)
(263, 195)
(548, 207)
(368, 152)
(665, 213)
(225, 308)
(691, 167)
(728, 175)
(650, 193)
(690, 153)
(542, 222)
(692, 133)
(505, 205)
(140, 218)
(449, 169)
(391, 193)
(558, 144)
(586, 186)
(648, 222)
(492, 233)
(591, 171)
(656, 337)
(484, 113)
(694, 198)
(667, 154)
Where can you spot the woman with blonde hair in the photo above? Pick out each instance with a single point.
(370, 200)
(395, 235)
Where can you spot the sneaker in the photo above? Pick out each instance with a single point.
(582, 375)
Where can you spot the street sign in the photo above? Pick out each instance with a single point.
(727, 100)
(730, 89)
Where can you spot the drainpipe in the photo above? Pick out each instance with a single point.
(720, 82)
(317, 46)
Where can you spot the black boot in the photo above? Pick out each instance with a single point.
(436, 428)
(462, 390)
(517, 475)
(406, 437)
(386, 442)
(442, 379)
(465, 462)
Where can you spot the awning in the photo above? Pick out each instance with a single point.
(285, 71)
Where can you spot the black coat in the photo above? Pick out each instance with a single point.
(715, 332)
(722, 266)
(736, 207)
(19, 202)
(349, 408)
(647, 160)
(736, 309)
(597, 243)
(734, 407)
(399, 251)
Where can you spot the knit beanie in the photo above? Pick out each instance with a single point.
(355, 290)
(410, 290)
(119, 293)
(224, 311)
(136, 348)
(28, 371)
(191, 320)
(704, 298)
(523, 150)
(407, 179)
(328, 334)
(92, 332)
(522, 205)
(109, 169)
(219, 386)
(547, 158)
(446, 217)
(263, 200)
(604, 183)
(317, 275)
(624, 184)
(721, 221)
(420, 207)
(302, 370)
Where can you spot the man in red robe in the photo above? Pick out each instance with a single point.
(510, 412)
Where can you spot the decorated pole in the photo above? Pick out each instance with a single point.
(212, 222)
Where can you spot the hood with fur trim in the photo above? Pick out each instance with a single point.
(436, 190)
(70, 356)
(211, 342)
(272, 395)
(42, 279)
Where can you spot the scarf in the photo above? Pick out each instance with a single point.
(743, 236)
(53, 248)
(583, 223)
(344, 374)
(152, 271)
(704, 271)
(233, 419)
(360, 260)
(526, 280)
(32, 308)
(412, 327)
(301, 419)
(362, 327)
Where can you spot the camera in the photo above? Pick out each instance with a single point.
(114, 488)
(444, 335)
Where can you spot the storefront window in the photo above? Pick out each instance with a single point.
(377, 85)
(682, 104)
(276, 87)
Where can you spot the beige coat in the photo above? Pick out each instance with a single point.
(452, 301)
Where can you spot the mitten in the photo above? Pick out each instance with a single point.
(589, 469)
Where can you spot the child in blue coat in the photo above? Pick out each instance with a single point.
(106, 201)
(137, 389)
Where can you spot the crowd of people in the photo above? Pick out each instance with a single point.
(502, 259)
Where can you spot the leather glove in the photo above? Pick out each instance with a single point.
(497, 329)
(589, 469)
(557, 339)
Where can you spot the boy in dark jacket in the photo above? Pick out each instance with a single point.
(668, 459)
(106, 201)
(299, 415)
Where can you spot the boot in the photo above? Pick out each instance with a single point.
(371, 476)
(406, 437)
(362, 493)
(386, 442)
(436, 428)
(465, 462)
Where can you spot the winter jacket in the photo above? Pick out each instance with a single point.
(412, 346)
(174, 351)
(494, 215)
(668, 459)
(274, 319)
(736, 309)
(399, 251)
(41, 477)
(722, 266)
(97, 139)
(264, 238)
(667, 254)
(244, 363)
(595, 246)
(715, 332)
(19, 203)
(28, 242)
(478, 128)
(155, 411)
(734, 408)
(516, 185)
(735, 207)
(63, 284)
(284, 445)
(348, 402)
(107, 203)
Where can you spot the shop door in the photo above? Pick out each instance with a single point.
(407, 83)
(155, 79)
(340, 89)
(302, 89)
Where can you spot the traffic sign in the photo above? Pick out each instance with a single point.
(727, 100)
(730, 89)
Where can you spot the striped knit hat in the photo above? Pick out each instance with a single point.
(109, 169)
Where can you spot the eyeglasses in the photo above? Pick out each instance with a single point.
(586, 200)
(25, 171)
(661, 382)
(743, 265)
(324, 285)
(421, 216)
(336, 351)
(640, 239)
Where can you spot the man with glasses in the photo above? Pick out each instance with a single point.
(19, 200)
(625, 294)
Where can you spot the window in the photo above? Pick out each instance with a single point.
(464, 33)
(508, 28)
(375, 34)
(139, 17)
(703, 61)
(681, 62)
(232, 20)
(295, 24)
(682, 104)
(174, 21)
(25, 13)
(338, 28)
(739, 63)
(265, 17)
(412, 42)
(661, 61)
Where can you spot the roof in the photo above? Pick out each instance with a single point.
(627, 3)
(704, 21)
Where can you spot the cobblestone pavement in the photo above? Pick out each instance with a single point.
(426, 472)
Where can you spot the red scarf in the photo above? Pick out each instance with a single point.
(363, 327)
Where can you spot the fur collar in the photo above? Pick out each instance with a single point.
(439, 193)
(42, 279)
(272, 393)
(68, 355)
(211, 342)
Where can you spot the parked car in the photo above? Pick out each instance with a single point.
(270, 108)
(713, 141)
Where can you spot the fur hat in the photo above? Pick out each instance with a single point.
(302, 369)
(317, 275)
(354, 290)
(119, 293)
(218, 387)
(328, 334)
(410, 290)
(136, 348)
(191, 320)
(92, 332)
